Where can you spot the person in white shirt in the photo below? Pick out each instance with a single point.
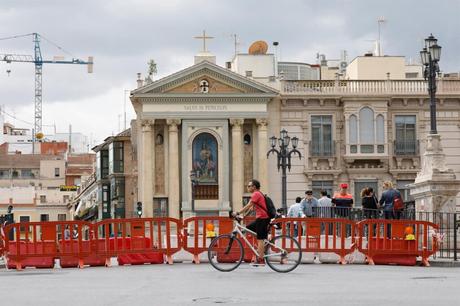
(325, 204)
(295, 211)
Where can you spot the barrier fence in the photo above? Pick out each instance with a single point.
(156, 240)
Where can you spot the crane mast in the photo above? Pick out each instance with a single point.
(38, 61)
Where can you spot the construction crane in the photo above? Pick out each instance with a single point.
(39, 61)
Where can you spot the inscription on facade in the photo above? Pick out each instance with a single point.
(209, 108)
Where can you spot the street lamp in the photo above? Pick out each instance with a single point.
(194, 181)
(430, 56)
(284, 155)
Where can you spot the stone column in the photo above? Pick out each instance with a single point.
(173, 165)
(435, 186)
(237, 164)
(146, 169)
(262, 138)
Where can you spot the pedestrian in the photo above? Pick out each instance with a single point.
(309, 204)
(386, 201)
(295, 211)
(343, 201)
(368, 203)
(325, 205)
(66, 233)
(377, 212)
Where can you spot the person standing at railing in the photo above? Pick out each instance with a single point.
(309, 204)
(343, 201)
(324, 205)
(386, 201)
(369, 203)
(295, 211)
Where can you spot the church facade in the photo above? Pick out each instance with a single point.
(200, 135)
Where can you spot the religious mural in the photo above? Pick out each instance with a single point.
(205, 158)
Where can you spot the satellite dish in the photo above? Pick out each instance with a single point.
(39, 136)
(258, 47)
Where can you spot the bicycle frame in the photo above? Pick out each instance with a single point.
(238, 229)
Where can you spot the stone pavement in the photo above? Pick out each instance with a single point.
(188, 284)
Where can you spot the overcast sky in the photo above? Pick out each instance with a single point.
(123, 35)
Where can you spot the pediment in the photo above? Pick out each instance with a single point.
(220, 81)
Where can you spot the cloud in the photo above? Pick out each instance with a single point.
(123, 35)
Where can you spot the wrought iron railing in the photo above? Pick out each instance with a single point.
(409, 147)
(319, 149)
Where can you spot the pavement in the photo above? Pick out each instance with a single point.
(189, 284)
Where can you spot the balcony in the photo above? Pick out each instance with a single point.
(325, 149)
(406, 147)
(367, 87)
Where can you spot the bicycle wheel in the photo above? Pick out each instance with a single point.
(283, 254)
(225, 253)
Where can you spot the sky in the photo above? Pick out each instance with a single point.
(123, 36)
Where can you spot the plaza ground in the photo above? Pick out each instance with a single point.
(188, 284)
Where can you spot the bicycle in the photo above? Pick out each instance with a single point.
(226, 252)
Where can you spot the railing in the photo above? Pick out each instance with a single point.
(406, 147)
(367, 87)
(326, 149)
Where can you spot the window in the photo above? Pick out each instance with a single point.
(321, 135)
(65, 198)
(56, 172)
(366, 133)
(116, 157)
(4, 173)
(15, 173)
(353, 134)
(405, 137)
(317, 186)
(247, 139)
(62, 217)
(27, 173)
(249, 73)
(44, 217)
(105, 163)
(160, 207)
(23, 219)
(366, 130)
(43, 199)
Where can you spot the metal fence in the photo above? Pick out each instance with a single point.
(449, 223)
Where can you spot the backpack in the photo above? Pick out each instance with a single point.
(398, 203)
(271, 210)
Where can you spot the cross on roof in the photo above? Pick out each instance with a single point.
(204, 37)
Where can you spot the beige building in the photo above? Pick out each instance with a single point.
(32, 184)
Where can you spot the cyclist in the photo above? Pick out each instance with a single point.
(260, 226)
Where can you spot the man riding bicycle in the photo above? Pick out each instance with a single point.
(262, 222)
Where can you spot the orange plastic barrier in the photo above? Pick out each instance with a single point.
(137, 241)
(36, 244)
(196, 238)
(321, 234)
(397, 241)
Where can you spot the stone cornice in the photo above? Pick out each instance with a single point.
(199, 98)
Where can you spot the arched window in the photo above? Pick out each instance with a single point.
(380, 129)
(204, 152)
(247, 139)
(353, 133)
(366, 126)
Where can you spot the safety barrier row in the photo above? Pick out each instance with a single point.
(156, 240)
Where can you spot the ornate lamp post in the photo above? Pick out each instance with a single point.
(431, 55)
(194, 181)
(284, 155)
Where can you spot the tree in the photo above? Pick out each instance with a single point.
(152, 67)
